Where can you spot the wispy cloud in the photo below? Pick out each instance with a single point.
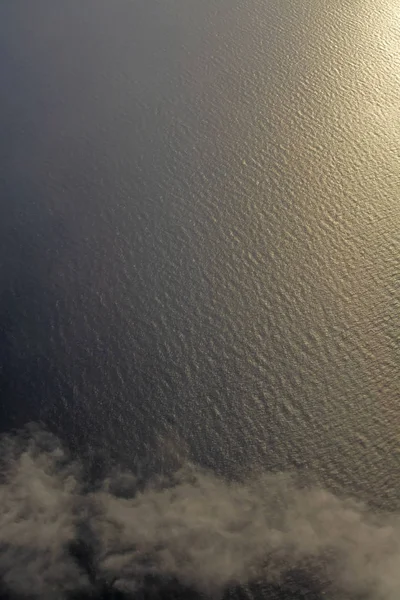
(57, 536)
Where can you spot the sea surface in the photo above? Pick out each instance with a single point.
(200, 298)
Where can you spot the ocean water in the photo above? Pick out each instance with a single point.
(200, 298)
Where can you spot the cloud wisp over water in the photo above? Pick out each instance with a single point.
(192, 531)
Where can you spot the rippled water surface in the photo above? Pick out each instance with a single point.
(200, 241)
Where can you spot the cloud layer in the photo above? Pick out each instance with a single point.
(60, 537)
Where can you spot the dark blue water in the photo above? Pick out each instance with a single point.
(199, 244)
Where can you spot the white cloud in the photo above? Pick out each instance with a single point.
(205, 532)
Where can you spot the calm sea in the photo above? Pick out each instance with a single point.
(200, 267)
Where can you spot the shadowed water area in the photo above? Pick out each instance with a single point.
(200, 299)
